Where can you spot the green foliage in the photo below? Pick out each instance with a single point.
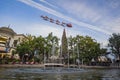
(50, 40)
(43, 45)
(64, 45)
(84, 48)
(114, 43)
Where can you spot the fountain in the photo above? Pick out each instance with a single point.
(53, 58)
(55, 63)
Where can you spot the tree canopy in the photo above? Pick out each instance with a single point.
(79, 47)
(84, 48)
(114, 43)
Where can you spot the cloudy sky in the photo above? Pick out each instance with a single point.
(95, 18)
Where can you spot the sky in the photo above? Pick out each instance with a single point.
(95, 18)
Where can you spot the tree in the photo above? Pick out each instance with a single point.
(39, 43)
(84, 48)
(25, 47)
(114, 43)
(50, 41)
(72, 54)
(64, 45)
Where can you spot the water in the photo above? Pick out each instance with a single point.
(58, 74)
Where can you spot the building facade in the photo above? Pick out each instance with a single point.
(9, 39)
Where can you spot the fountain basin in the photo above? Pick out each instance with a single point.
(58, 74)
(53, 65)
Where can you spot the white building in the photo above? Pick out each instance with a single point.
(9, 40)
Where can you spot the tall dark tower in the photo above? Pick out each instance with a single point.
(64, 45)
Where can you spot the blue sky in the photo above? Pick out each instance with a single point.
(95, 18)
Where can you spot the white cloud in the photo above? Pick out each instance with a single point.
(114, 3)
(100, 15)
(58, 14)
(104, 44)
(44, 30)
(48, 3)
(113, 25)
(81, 10)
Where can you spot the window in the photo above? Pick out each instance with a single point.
(15, 43)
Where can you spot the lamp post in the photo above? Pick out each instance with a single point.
(68, 56)
(44, 55)
(78, 60)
